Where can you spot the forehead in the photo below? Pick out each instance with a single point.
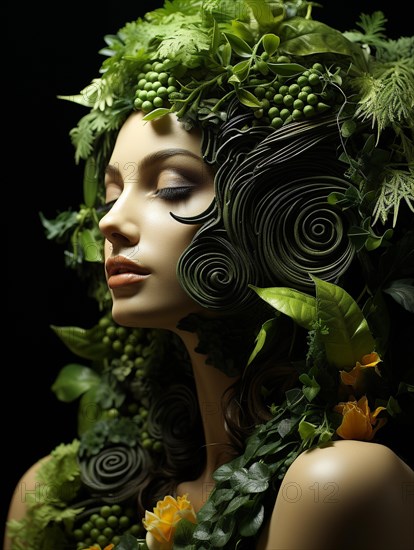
(138, 138)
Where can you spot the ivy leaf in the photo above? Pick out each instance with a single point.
(236, 503)
(253, 480)
(295, 304)
(86, 343)
(183, 535)
(252, 522)
(348, 337)
(223, 531)
(73, 380)
(129, 542)
(311, 387)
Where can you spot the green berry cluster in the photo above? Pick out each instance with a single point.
(294, 99)
(155, 84)
(106, 526)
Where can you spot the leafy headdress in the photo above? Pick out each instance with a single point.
(310, 133)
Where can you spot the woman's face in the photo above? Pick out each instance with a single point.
(155, 169)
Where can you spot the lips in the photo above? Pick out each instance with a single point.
(123, 272)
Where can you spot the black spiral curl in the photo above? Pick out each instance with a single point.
(300, 234)
(115, 473)
(171, 419)
(215, 273)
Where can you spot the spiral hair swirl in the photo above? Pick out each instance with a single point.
(270, 225)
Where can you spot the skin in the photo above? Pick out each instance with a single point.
(350, 494)
(139, 225)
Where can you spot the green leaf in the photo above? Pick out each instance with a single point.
(90, 182)
(263, 13)
(307, 430)
(348, 337)
(300, 36)
(86, 343)
(270, 43)
(286, 69)
(183, 535)
(238, 45)
(253, 480)
(156, 113)
(129, 542)
(295, 304)
(236, 503)
(311, 386)
(73, 380)
(248, 99)
(241, 70)
(92, 249)
(90, 411)
(261, 338)
(223, 531)
(252, 522)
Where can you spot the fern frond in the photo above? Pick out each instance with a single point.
(387, 95)
(397, 186)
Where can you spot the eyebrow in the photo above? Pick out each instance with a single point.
(157, 156)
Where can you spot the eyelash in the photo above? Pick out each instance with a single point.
(173, 193)
(104, 208)
(166, 193)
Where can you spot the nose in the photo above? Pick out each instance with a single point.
(118, 226)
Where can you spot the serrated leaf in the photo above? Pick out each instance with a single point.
(86, 343)
(297, 305)
(348, 337)
(73, 380)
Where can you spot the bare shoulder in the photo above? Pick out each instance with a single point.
(27, 485)
(350, 494)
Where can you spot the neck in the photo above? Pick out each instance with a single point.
(211, 383)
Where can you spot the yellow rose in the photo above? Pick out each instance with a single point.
(358, 421)
(355, 377)
(162, 522)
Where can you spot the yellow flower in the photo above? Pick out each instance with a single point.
(358, 421)
(355, 377)
(162, 522)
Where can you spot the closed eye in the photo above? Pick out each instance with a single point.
(174, 193)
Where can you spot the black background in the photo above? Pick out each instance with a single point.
(51, 51)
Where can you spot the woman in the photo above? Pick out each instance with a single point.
(238, 163)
